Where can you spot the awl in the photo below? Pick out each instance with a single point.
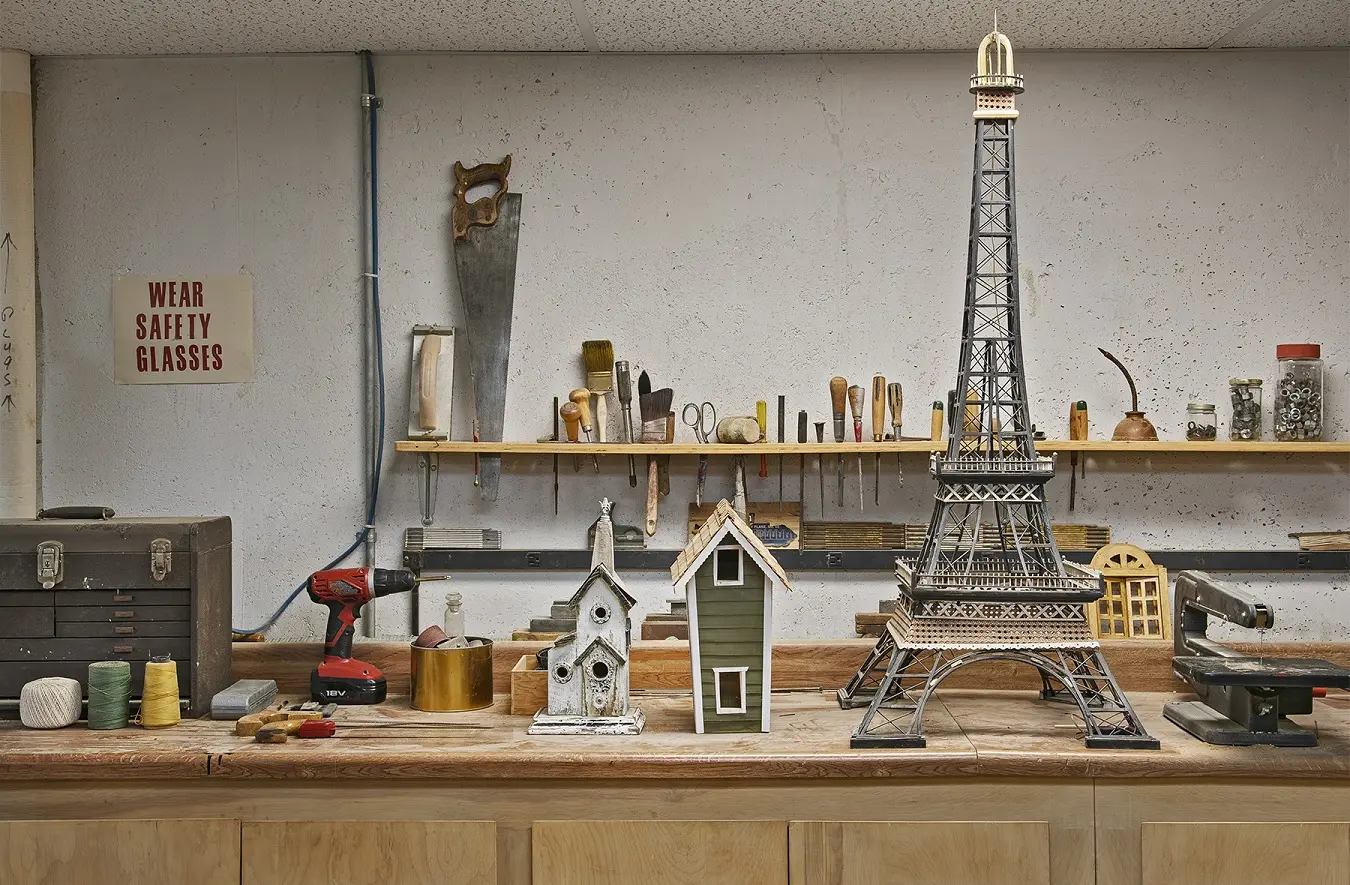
(855, 405)
(896, 397)
(838, 397)
(878, 431)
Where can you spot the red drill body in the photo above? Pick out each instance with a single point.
(341, 678)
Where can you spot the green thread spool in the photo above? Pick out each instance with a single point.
(109, 694)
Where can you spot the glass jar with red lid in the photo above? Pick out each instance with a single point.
(1298, 392)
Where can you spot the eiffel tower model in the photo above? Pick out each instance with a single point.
(975, 593)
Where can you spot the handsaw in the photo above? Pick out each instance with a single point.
(486, 238)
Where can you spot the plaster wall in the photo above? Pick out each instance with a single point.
(738, 226)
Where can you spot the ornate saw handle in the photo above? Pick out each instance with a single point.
(481, 211)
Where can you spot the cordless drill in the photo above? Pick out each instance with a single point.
(342, 679)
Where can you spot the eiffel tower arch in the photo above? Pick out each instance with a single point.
(976, 595)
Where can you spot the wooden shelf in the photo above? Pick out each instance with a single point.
(916, 447)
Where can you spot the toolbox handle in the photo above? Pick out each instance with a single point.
(76, 513)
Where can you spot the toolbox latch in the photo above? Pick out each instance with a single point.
(51, 566)
(161, 558)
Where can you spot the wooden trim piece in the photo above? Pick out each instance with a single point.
(695, 671)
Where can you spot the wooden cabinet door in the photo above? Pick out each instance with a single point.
(118, 852)
(436, 852)
(624, 852)
(1246, 853)
(931, 852)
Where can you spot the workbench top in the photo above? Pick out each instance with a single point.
(970, 734)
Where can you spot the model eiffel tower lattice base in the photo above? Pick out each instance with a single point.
(962, 602)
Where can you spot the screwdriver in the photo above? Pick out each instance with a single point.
(801, 464)
(838, 395)
(782, 418)
(878, 431)
(762, 416)
(896, 396)
(820, 468)
(855, 405)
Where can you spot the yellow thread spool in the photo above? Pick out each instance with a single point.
(159, 697)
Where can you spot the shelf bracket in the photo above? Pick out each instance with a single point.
(430, 463)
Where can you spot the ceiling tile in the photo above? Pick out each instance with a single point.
(904, 25)
(1298, 23)
(134, 27)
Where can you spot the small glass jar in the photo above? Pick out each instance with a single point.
(1245, 394)
(1298, 392)
(1202, 422)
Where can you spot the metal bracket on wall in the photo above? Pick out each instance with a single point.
(430, 465)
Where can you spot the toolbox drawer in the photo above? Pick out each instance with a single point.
(123, 598)
(94, 571)
(115, 613)
(14, 675)
(25, 623)
(134, 648)
(26, 597)
(82, 629)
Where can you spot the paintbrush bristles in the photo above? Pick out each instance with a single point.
(599, 359)
(655, 410)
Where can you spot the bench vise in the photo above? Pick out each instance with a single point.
(1243, 699)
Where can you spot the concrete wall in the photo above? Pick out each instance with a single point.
(738, 226)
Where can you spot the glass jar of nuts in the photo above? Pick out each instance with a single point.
(1245, 394)
(1298, 392)
(1201, 422)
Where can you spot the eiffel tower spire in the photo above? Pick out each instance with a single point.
(989, 582)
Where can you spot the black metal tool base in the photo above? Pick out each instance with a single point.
(1212, 727)
(903, 741)
(1121, 742)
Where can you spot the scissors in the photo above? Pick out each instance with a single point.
(704, 423)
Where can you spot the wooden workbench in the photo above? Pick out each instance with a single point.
(1004, 793)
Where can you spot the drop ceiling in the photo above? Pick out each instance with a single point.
(137, 27)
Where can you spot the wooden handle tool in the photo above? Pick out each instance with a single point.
(855, 405)
(762, 416)
(571, 415)
(581, 397)
(624, 379)
(653, 495)
(895, 396)
(820, 470)
(878, 432)
(838, 400)
(427, 363)
(937, 420)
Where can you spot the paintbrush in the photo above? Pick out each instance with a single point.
(599, 359)
(653, 407)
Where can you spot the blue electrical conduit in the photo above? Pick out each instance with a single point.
(370, 101)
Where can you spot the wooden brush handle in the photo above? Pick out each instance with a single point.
(895, 395)
(838, 394)
(653, 489)
(582, 397)
(601, 417)
(878, 407)
(1078, 420)
(427, 363)
(937, 421)
(571, 415)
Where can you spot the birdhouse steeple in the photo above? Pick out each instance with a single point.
(995, 82)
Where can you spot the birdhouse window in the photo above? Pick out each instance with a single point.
(729, 689)
(728, 566)
(600, 613)
(562, 673)
(600, 670)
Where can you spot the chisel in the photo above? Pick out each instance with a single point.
(782, 430)
(838, 396)
(624, 379)
(820, 466)
(937, 420)
(896, 397)
(762, 416)
(878, 431)
(801, 464)
(1078, 430)
(855, 405)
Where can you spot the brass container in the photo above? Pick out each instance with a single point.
(449, 680)
(1134, 427)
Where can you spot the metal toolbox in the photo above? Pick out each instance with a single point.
(77, 591)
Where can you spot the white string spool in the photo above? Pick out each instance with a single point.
(50, 702)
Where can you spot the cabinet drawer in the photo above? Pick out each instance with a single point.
(26, 597)
(24, 623)
(122, 598)
(89, 629)
(137, 648)
(14, 675)
(115, 613)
